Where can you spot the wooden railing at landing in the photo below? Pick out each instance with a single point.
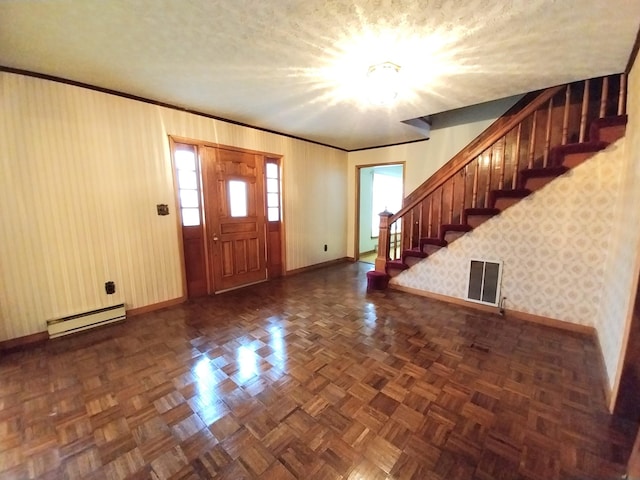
(519, 140)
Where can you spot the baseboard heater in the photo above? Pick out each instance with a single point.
(86, 320)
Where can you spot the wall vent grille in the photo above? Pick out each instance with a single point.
(484, 282)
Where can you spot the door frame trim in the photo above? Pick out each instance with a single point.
(178, 217)
(176, 139)
(356, 230)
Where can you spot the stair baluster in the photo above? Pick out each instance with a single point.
(603, 97)
(585, 108)
(516, 158)
(565, 115)
(532, 140)
(547, 139)
(622, 97)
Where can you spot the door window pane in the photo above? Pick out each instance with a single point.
(272, 200)
(237, 198)
(186, 164)
(187, 179)
(272, 184)
(273, 214)
(190, 217)
(185, 160)
(272, 170)
(189, 198)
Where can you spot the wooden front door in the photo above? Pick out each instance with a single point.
(233, 183)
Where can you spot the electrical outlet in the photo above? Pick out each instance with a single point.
(110, 288)
(325, 247)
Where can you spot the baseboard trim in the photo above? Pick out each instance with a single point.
(606, 389)
(552, 322)
(528, 317)
(27, 341)
(156, 306)
(445, 298)
(316, 266)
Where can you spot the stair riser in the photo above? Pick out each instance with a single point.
(534, 184)
(451, 236)
(611, 134)
(505, 202)
(477, 220)
(572, 160)
(394, 272)
(430, 249)
(411, 261)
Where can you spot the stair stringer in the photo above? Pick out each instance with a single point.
(553, 245)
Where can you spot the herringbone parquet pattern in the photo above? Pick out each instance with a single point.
(310, 377)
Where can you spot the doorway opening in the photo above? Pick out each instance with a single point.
(379, 188)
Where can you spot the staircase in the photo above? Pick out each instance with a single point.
(541, 138)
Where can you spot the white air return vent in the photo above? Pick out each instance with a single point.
(84, 321)
(484, 281)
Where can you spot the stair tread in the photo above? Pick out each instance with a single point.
(610, 121)
(374, 273)
(433, 241)
(414, 252)
(600, 123)
(399, 264)
(456, 227)
(514, 193)
(554, 171)
(481, 211)
(557, 153)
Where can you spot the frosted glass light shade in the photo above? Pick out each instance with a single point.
(382, 83)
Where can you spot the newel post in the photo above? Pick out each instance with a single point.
(383, 242)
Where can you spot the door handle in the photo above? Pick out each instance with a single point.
(215, 237)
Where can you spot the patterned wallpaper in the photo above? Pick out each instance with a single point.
(553, 246)
(622, 271)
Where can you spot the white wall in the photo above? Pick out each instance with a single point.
(82, 172)
(451, 132)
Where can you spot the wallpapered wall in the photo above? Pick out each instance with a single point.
(81, 174)
(622, 267)
(553, 246)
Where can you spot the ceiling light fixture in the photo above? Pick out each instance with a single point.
(382, 83)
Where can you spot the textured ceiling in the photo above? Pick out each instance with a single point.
(298, 66)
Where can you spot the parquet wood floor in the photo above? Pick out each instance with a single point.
(310, 377)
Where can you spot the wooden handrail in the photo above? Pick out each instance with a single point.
(486, 139)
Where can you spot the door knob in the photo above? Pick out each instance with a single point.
(215, 237)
